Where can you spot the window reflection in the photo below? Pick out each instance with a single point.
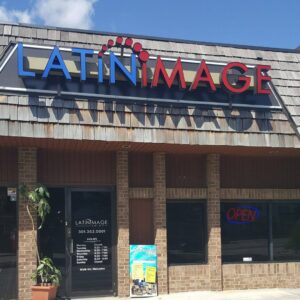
(52, 234)
(186, 232)
(286, 231)
(8, 243)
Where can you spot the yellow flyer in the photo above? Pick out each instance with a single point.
(151, 274)
(137, 271)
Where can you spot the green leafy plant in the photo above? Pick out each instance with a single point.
(38, 202)
(46, 272)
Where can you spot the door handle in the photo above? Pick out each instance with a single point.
(71, 246)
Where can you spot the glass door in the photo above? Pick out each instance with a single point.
(90, 245)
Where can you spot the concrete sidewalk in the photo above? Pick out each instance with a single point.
(263, 294)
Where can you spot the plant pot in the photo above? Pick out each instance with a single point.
(41, 292)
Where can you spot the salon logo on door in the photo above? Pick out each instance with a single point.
(91, 223)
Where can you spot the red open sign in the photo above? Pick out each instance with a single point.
(242, 214)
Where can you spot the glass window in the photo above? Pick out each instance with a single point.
(52, 234)
(268, 231)
(286, 231)
(186, 232)
(8, 243)
(244, 232)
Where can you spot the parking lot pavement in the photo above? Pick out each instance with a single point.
(262, 294)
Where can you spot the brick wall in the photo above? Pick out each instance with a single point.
(160, 227)
(123, 224)
(27, 174)
(213, 221)
(264, 275)
(210, 276)
(188, 278)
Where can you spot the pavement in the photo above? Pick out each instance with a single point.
(259, 294)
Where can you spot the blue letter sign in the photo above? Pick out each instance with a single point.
(21, 71)
(56, 62)
(113, 60)
(83, 54)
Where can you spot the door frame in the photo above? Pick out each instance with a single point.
(68, 233)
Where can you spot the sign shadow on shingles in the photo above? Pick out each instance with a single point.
(241, 120)
(38, 107)
(203, 115)
(108, 109)
(263, 122)
(92, 108)
(120, 112)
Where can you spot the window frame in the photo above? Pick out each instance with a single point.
(205, 231)
(269, 203)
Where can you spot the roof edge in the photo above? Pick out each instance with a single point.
(154, 38)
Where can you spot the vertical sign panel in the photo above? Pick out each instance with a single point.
(143, 271)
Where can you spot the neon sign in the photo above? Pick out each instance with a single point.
(242, 214)
(138, 59)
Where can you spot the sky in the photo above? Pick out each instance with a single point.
(268, 23)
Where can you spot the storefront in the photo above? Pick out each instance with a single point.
(191, 147)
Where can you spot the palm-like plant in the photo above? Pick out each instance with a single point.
(38, 201)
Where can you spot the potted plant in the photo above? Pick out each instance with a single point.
(46, 276)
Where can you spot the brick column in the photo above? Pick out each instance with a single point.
(27, 174)
(213, 221)
(123, 223)
(160, 228)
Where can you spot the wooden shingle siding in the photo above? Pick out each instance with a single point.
(99, 120)
(66, 167)
(187, 171)
(141, 222)
(110, 121)
(260, 172)
(140, 169)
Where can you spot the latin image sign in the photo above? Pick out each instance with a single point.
(122, 69)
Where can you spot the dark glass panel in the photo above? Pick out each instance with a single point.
(286, 231)
(244, 232)
(186, 232)
(52, 234)
(92, 242)
(8, 243)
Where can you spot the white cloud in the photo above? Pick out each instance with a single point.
(15, 15)
(60, 13)
(66, 13)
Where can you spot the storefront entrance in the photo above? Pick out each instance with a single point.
(85, 226)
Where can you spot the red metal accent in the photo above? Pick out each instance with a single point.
(144, 56)
(260, 78)
(203, 74)
(104, 48)
(128, 42)
(137, 47)
(110, 43)
(119, 40)
(100, 54)
(160, 69)
(144, 74)
(242, 68)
